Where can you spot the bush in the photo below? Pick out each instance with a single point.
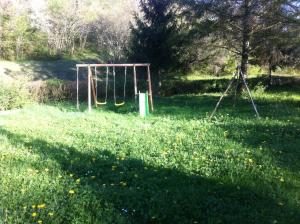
(51, 90)
(13, 94)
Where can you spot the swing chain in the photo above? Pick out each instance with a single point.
(124, 93)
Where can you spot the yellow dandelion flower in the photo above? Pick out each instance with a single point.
(33, 206)
(78, 181)
(164, 153)
(124, 184)
(225, 134)
(40, 222)
(113, 168)
(41, 206)
(34, 214)
(71, 192)
(50, 213)
(250, 160)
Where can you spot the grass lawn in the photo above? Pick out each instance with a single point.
(58, 165)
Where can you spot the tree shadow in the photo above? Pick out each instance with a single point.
(49, 69)
(60, 69)
(280, 139)
(182, 107)
(189, 107)
(141, 193)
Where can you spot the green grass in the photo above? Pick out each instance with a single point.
(110, 166)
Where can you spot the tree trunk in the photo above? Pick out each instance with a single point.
(73, 47)
(270, 74)
(245, 56)
(246, 39)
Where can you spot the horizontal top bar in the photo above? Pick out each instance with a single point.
(112, 65)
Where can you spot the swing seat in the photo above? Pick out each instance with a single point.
(101, 103)
(119, 104)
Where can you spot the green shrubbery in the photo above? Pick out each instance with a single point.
(51, 90)
(13, 94)
(16, 93)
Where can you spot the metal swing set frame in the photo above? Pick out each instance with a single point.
(93, 87)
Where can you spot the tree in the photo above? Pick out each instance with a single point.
(111, 30)
(155, 37)
(16, 31)
(279, 46)
(237, 22)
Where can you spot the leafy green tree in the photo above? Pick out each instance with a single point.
(16, 33)
(236, 23)
(155, 37)
(279, 46)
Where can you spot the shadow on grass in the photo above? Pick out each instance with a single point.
(155, 194)
(290, 89)
(195, 107)
(60, 69)
(202, 106)
(280, 139)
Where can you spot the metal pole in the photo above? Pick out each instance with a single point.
(77, 88)
(135, 82)
(248, 90)
(89, 90)
(150, 88)
(222, 96)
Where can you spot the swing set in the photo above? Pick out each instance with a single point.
(93, 83)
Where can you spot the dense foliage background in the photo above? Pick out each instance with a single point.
(209, 36)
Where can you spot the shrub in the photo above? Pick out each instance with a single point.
(13, 94)
(50, 90)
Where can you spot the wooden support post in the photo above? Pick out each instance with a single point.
(77, 88)
(93, 91)
(150, 88)
(89, 89)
